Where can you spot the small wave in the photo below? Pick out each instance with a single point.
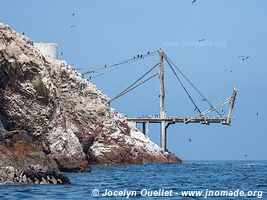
(7, 183)
(254, 164)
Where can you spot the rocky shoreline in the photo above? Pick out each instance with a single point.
(52, 120)
(21, 161)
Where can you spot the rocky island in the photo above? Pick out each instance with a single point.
(52, 120)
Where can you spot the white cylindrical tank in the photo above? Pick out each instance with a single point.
(48, 49)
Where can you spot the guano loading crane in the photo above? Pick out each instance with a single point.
(163, 118)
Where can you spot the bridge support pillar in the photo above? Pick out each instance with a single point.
(146, 128)
(163, 139)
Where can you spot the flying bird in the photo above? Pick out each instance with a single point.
(246, 155)
(243, 58)
(225, 70)
(189, 139)
(257, 113)
(61, 53)
(201, 40)
(73, 14)
(72, 26)
(194, 1)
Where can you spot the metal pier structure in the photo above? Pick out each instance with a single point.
(163, 119)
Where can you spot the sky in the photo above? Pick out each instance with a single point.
(102, 31)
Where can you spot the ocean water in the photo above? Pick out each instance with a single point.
(155, 181)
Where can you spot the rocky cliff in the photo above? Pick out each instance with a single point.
(63, 114)
(21, 161)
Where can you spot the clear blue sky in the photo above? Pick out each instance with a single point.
(112, 30)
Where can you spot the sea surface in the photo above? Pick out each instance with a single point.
(155, 181)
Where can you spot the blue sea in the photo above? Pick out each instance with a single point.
(196, 179)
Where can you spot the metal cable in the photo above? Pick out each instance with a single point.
(132, 85)
(118, 96)
(190, 82)
(191, 99)
(120, 62)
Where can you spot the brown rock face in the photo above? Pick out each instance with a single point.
(64, 113)
(23, 162)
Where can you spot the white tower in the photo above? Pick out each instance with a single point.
(48, 49)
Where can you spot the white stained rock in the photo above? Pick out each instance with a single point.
(98, 148)
(64, 143)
